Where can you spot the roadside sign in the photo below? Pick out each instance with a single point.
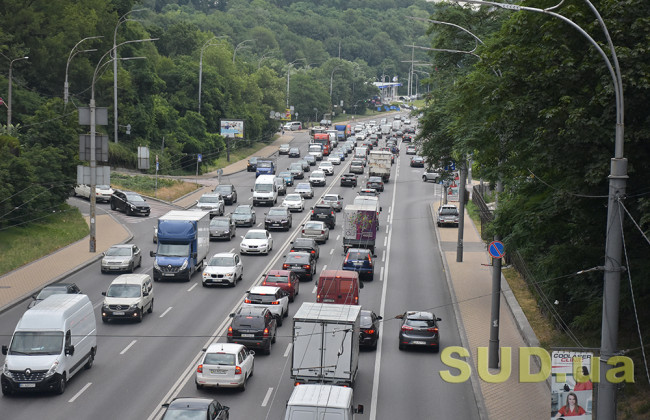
(496, 249)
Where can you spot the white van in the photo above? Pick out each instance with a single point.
(128, 296)
(293, 126)
(52, 342)
(316, 402)
(265, 192)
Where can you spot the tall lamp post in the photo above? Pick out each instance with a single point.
(74, 51)
(289, 76)
(240, 45)
(617, 184)
(120, 21)
(332, 85)
(205, 45)
(11, 63)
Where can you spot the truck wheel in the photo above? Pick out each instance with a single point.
(89, 363)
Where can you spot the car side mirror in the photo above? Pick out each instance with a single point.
(5, 349)
(438, 319)
(380, 209)
(359, 409)
(251, 352)
(69, 350)
(103, 293)
(379, 317)
(232, 315)
(145, 293)
(152, 253)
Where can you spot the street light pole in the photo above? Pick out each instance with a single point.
(11, 63)
(205, 45)
(240, 45)
(74, 52)
(606, 405)
(289, 76)
(331, 86)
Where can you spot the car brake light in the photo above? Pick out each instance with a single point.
(356, 300)
(303, 231)
(312, 251)
(322, 232)
(406, 328)
(247, 300)
(230, 331)
(266, 332)
(370, 331)
(285, 266)
(275, 302)
(306, 266)
(237, 370)
(434, 329)
(199, 369)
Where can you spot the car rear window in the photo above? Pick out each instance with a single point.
(222, 359)
(294, 257)
(243, 322)
(366, 321)
(420, 323)
(448, 211)
(277, 279)
(257, 298)
(357, 255)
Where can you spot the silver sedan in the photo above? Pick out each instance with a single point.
(316, 230)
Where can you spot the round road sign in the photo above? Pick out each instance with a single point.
(496, 249)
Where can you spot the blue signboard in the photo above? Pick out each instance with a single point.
(496, 249)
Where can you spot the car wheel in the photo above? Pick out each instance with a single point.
(90, 361)
(279, 319)
(402, 346)
(150, 310)
(275, 336)
(127, 210)
(131, 268)
(140, 262)
(138, 317)
(436, 349)
(61, 385)
(242, 388)
(104, 320)
(198, 385)
(112, 205)
(286, 313)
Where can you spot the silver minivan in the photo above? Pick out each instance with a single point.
(128, 296)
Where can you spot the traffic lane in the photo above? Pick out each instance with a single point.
(421, 286)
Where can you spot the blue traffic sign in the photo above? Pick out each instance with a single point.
(496, 249)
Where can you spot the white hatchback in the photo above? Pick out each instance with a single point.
(334, 159)
(225, 365)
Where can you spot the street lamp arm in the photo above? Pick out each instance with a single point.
(439, 22)
(100, 64)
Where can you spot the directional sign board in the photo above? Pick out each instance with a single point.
(496, 249)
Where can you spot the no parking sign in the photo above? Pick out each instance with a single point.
(496, 249)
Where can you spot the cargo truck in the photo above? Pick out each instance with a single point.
(379, 163)
(340, 132)
(183, 244)
(325, 344)
(360, 224)
(265, 167)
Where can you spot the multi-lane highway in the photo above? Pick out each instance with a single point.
(140, 366)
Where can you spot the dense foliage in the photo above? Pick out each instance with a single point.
(537, 109)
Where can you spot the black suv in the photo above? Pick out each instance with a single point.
(306, 245)
(324, 213)
(252, 164)
(253, 327)
(349, 180)
(228, 193)
(130, 203)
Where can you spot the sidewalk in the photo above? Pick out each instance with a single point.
(470, 282)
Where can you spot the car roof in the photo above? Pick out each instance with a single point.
(122, 246)
(264, 290)
(256, 230)
(311, 241)
(224, 254)
(250, 311)
(359, 250)
(278, 272)
(191, 402)
(323, 205)
(224, 348)
(313, 222)
(211, 195)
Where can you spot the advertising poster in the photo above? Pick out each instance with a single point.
(571, 386)
(233, 129)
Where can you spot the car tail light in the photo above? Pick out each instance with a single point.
(237, 370)
(303, 231)
(322, 232)
(199, 369)
(230, 331)
(247, 300)
(285, 266)
(356, 300)
(275, 302)
(370, 331)
(406, 328)
(266, 332)
(434, 330)
(306, 267)
(312, 212)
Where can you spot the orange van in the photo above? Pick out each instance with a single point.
(338, 286)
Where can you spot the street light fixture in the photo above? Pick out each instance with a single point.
(240, 45)
(74, 51)
(606, 406)
(289, 76)
(11, 63)
(205, 45)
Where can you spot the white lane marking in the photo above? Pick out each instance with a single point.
(128, 347)
(331, 251)
(288, 350)
(385, 240)
(314, 291)
(165, 313)
(381, 274)
(80, 392)
(193, 286)
(324, 268)
(383, 256)
(387, 229)
(267, 396)
(338, 237)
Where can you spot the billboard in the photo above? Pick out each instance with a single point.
(571, 386)
(233, 129)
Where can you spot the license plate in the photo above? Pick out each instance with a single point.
(217, 371)
(27, 385)
(422, 343)
(328, 300)
(358, 264)
(118, 313)
(248, 335)
(168, 274)
(276, 224)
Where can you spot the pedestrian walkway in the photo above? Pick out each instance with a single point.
(471, 283)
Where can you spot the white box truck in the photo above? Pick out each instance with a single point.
(379, 164)
(52, 342)
(360, 224)
(183, 244)
(325, 344)
(317, 402)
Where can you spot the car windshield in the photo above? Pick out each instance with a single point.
(173, 250)
(295, 257)
(36, 342)
(264, 164)
(263, 188)
(292, 197)
(124, 291)
(49, 291)
(221, 261)
(448, 211)
(134, 198)
(213, 199)
(219, 223)
(223, 189)
(242, 210)
(118, 252)
(252, 160)
(220, 359)
(255, 235)
(277, 212)
(185, 413)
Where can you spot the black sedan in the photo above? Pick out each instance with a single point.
(348, 180)
(419, 329)
(417, 162)
(306, 245)
(278, 218)
(195, 408)
(376, 183)
(54, 289)
(369, 329)
(300, 263)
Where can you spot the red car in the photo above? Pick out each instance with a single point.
(284, 279)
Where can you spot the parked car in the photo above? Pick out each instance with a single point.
(306, 245)
(225, 365)
(375, 182)
(223, 268)
(369, 329)
(300, 263)
(253, 326)
(316, 230)
(334, 200)
(54, 289)
(222, 227)
(419, 329)
(182, 408)
(294, 202)
(304, 189)
(278, 218)
(284, 149)
(121, 258)
(317, 178)
(130, 203)
(448, 215)
(228, 193)
(281, 185)
(288, 177)
(256, 241)
(252, 164)
(324, 213)
(348, 180)
(211, 202)
(294, 152)
(360, 260)
(274, 299)
(286, 280)
(244, 215)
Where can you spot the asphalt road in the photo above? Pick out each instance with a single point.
(140, 366)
